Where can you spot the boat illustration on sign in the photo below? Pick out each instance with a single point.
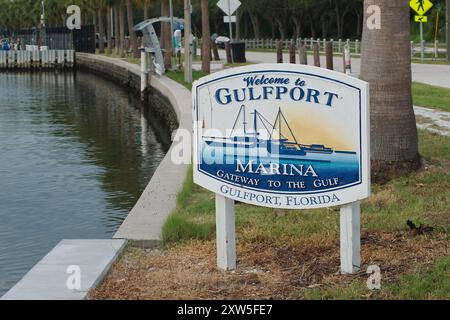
(263, 149)
(274, 142)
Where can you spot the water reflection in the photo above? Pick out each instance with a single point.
(76, 152)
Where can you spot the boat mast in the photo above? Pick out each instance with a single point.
(255, 123)
(237, 119)
(244, 123)
(279, 121)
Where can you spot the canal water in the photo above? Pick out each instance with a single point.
(76, 152)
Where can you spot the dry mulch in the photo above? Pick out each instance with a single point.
(265, 270)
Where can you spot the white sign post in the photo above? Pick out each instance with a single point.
(287, 137)
(350, 238)
(226, 233)
(229, 7)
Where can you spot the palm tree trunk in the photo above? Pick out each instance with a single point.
(109, 28)
(386, 65)
(101, 31)
(206, 38)
(146, 13)
(122, 29)
(133, 38)
(116, 28)
(94, 19)
(166, 35)
(447, 10)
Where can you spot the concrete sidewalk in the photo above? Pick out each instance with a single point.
(433, 120)
(48, 279)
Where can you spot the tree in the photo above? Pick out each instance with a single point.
(386, 65)
(341, 9)
(252, 8)
(206, 36)
(297, 10)
(133, 38)
(166, 35)
(110, 27)
(101, 27)
(447, 10)
(146, 9)
(117, 39)
(122, 29)
(278, 11)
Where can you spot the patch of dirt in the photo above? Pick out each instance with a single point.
(265, 270)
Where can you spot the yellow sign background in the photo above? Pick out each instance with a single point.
(421, 19)
(421, 6)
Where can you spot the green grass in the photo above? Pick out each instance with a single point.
(426, 283)
(432, 282)
(178, 226)
(425, 95)
(128, 57)
(430, 61)
(409, 197)
(178, 76)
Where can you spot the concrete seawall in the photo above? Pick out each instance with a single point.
(143, 226)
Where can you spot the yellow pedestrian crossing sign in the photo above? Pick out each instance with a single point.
(421, 6)
(421, 19)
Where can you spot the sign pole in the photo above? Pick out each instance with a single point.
(350, 229)
(229, 22)
(226, 233)
(422, 49)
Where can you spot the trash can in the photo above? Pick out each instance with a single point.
(238, 49)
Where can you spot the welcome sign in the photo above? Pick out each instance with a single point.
(282, 136)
